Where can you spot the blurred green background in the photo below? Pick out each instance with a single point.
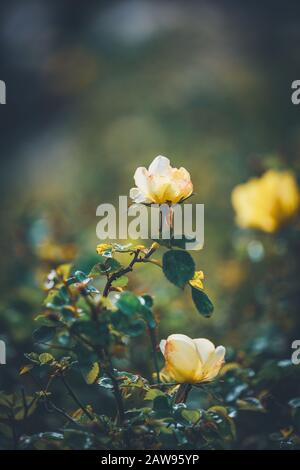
(95, 89)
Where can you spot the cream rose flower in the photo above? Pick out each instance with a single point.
(267, 202)
(161, 183)
(190, 360)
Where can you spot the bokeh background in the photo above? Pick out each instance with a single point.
(95, 89)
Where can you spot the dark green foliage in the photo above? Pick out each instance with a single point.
(202, 302)
(178, 267)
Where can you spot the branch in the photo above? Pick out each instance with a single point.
(76, 399)
(136, 259)
(154, 355)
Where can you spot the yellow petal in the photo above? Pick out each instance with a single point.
(102, 247)
(213, 364)
(160, 166)
(205, 348)
(182, 360)
(197, 280)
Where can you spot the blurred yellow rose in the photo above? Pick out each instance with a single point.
(161, 183)
(265, 203)
(190, 360)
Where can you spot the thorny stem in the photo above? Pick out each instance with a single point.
(25, 404)
(14, 432)
(110, 373)
(62, 412)
(154, 355)
(49, 401)
(136, 259)
(76, 399)
(117, 394)
(93, 308)
(182, 393)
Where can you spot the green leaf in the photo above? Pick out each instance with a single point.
(128, 303)
(191, 416)
(85, 356)
(250, 404)
(202, 302)
(225, 425)
(161, 406)
(128, 325)
(45, 357)
(105, 266)
(97, 270)
(95, 333)
(91, 373)
(33, 357)
(57, 299)
(153, 393)
(80, 276)
(161, 403)
(178, 267)
(148, 317)
(77, 439)
(136, 327)
(43, 333)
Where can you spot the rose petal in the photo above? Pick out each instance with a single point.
(205, 348)
(160, 166)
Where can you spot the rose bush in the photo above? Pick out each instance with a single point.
(91, 319)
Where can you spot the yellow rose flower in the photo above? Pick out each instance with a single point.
(161, 183)
(267, 202)
(190, 360)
